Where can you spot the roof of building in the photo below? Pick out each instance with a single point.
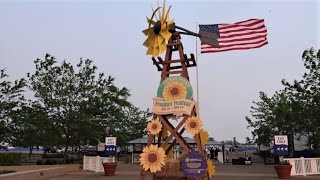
(144, 140)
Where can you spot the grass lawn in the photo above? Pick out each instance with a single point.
(6, 171)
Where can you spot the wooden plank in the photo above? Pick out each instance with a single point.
(158, 66)
(150, 137)
(174, 72)
(173, 61)
(176, 135)
(159, 138)
(175, 130)
(173, 143)
(170, 128)
(198, 141)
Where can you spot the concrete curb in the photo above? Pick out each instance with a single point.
(30, 171)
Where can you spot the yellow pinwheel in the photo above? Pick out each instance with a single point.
(158, 31)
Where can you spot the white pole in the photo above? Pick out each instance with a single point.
(197, 74)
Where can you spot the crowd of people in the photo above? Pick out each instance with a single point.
(211, 153)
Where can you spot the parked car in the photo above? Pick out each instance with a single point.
(50, 149)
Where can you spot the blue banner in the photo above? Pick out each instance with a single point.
(194, 165)
(281, 149)
(110, 150)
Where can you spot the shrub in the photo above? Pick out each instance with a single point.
(9, 159)
(50, 162)
(315, 153)
(45, 156)
(39, 162)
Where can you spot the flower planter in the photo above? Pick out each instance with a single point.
(109, 169)
(283, 171)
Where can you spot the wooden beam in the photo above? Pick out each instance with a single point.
(170, 128)
(175, 130)
(174, 72)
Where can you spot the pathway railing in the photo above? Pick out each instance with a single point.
(94, 163)
(304, 166)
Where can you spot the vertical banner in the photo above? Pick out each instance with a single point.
(281, 145)
(111, 146)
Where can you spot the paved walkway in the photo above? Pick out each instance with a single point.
(132, 171)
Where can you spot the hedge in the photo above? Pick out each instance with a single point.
(9, 159)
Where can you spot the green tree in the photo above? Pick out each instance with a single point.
(10, 99)
(293, 110)
(79, 104)
(307, 93)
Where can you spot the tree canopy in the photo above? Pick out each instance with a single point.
(72, 105)
(292, 110)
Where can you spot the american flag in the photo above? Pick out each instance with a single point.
(242, 35)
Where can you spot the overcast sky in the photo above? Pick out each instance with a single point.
(109, 33)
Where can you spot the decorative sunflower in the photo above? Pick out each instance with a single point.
(152, 158)
(211, 167)
(204, 136)
(158, 31)
(154, 126)
(193, 125)
(174, 90)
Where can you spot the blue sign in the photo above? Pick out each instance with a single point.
(110, 150)
(194, 165)
(281, 150)
(281, 145)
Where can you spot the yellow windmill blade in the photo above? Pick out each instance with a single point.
(162, 47)
(160, 40)
(150, 21)
(157, 31)
(155, 52)
(163, 11)
(146, 43)
(153, 14)
(147, 31)
(166, 34)
(150, 50)
(167, 14)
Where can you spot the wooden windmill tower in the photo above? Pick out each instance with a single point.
(174, 101)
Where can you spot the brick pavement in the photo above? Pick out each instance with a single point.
(35, 172)
(131, 172)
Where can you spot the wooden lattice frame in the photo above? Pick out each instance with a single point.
(167, 67)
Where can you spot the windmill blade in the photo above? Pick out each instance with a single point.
(153, 14)
(209, 38)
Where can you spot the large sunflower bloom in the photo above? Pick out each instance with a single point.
(211, 167)
(174, 90)
(193, 125)
(154, 126)
(152, 158)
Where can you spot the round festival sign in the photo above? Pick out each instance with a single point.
(175, 87)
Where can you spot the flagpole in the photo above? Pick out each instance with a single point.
(197, 72)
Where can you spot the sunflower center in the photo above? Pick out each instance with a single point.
(154, 126)
(174, 91)
(193, 124)
(157, 27)
(152, 158)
